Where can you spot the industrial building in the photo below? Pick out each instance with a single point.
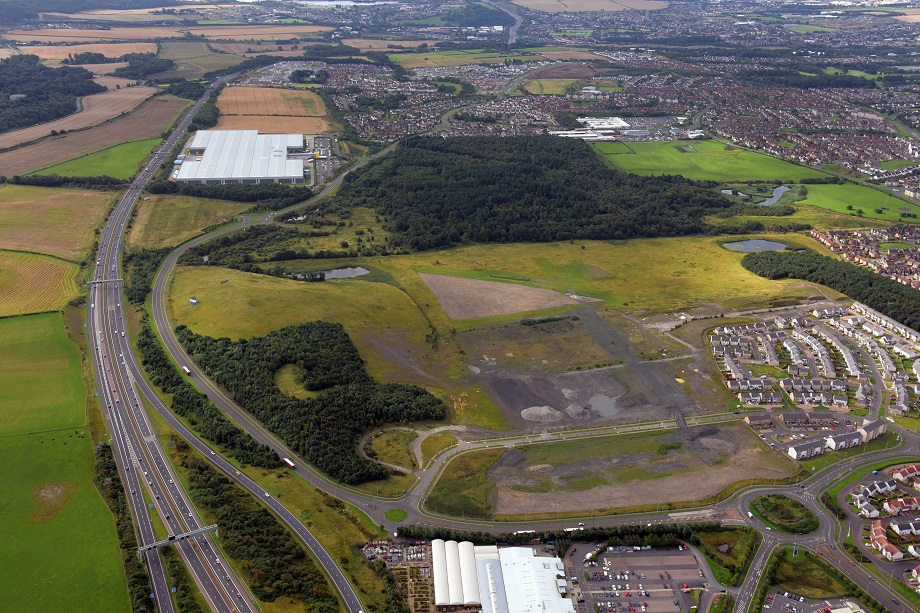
(217, 157)
(508, 580)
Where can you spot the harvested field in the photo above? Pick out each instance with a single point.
(53, 221)
(114, 83)
(468, 298)
(250, 47)
(269, 124)
(31, 283)
(62, 52)
(103, 68)
(560, 6)
(6, 52)
(286, 53)
(193, 59)
(565, 71)
(244, 32)
(569, 55)
(270, 101)
(96, 109)
(148, 121)
(372, 44)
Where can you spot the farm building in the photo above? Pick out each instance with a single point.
(496, 580)
(242, 156)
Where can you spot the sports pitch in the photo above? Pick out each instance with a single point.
(703, 161)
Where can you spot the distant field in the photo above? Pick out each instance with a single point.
(252, 47)
(167, 220)
(193, 59)
(63, 52)
(270, 101)
(54, 221)
(41, 383)
(372, 44)
(243, 32)
(570, 55)
(547, 86)
(273, 124)
(102, 69)
(113, 83)
(96, 109)
(33, 283)
(456, 58)
(558, 6)
(702, 160)
(147, 121)
(809, 29)
(120, 161)
(60, 546)
(6, 52)
(838, 197)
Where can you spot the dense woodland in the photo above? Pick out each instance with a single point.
(263, 196)
(142, 267)
(274, 564)
(323, 429)
(197, 409)
(444, 192)
(900, 302)
(50, 93)
(142, 64)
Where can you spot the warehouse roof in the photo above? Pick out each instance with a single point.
(242, 154)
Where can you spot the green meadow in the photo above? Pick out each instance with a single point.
(120, 161)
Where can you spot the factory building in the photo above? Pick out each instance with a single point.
(241, 156)
(509, 580)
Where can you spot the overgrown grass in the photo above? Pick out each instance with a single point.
(806, 577)
(435, 443)
(463, 489)
(728, 566)
(785, 514)
(165, 220)
(392, 447)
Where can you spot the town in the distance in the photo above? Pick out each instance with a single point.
(480, 306)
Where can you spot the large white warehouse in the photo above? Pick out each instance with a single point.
(511, 580)
(242, 156)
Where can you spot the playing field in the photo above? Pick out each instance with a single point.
(54, 221)
(62, 52)
(702, 160)
(270, 101)
(859, 198)
(41, 384)
(167, 220)
(273, 124)
(96, 109)
(547, 86)
(457, 58)
(60, 550)
(558, 6)
(120, 161)
(32, 283)
(149, 120)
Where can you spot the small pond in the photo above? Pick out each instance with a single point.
(346, 273)
(603, 405)
(750, 246)
(777, 194)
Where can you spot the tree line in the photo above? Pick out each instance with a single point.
(273, 563)
(444, 192)
(142, 267)
(323, 429)
(264, 196)
(142, 64)
(49, 93)
(900, 302)
(108, 482)
(197, 409)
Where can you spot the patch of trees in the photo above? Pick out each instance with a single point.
(476, 15)
(99, 182)
(142, 64)
(179, 579)
(444, 192)
(204, 417)
(89, 57)
(108, 482)
(388, 102)
(897, 301)
(49, 93)
(207, 116)
(264, 196)
(274, 564)
(310, 76)
(568, 120)
(790, 77)
(142, 267)
(14, 11)
(396, 602)
(466, 88)
(192, 90)
(324, 429)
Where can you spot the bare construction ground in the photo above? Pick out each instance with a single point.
(470, 298)
(691, 465)
(96, 109)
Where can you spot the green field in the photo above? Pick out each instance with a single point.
(858, 197)
(785, 514)
(167, 220)
(727, 565)
(547, 86)
(809, 29)
(120, 161)
(457, 58)
(392, 447)
(702, 160)
(436, 443)
(41, 384)
(463, 489)
(60, 551)
(806, 576)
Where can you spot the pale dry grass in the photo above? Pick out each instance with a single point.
(569, 55)
(561, 6)
(102, 69)
(148, 121)
(469, 298)
(371, 44)
(62, 52)
(32, 283)
(114, 83)
(6, 52)
(96, 109)
(251, 47)
(270, 101)
(271, 124)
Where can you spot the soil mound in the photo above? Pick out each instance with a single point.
(543, 414)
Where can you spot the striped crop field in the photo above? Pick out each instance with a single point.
(31, 283)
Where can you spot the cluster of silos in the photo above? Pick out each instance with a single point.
(456, 581)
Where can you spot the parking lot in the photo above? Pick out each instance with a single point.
(627, 580)
(784, 602)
